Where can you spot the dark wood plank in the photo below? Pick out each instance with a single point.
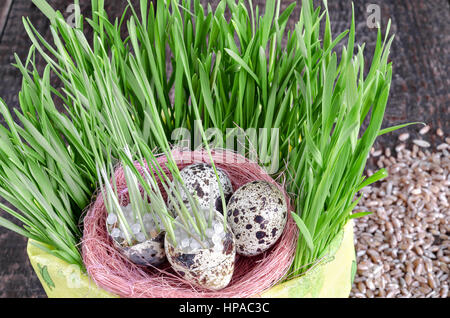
(17, 278)
(5, 7)
(421, 59)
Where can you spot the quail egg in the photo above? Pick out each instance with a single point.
(144, 250)
(210, 266)
(200, 180)
(257, 214)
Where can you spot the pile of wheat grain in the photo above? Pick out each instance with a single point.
(403, 247)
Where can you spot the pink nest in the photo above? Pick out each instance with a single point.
(252, 275)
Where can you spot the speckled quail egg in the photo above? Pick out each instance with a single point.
(200, 180)
(257, 214)
(144, 249)
(210, 266)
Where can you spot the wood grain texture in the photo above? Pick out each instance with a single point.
(421, 59)
(17, 278)
(5, 7)
(420, 90)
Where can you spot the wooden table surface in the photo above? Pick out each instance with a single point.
(420, 90)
